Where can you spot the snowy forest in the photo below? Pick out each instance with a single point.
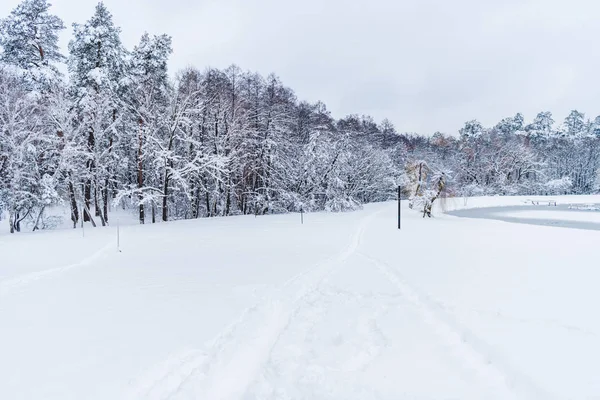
(105, 127)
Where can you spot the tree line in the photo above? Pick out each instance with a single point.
(119, 131)
(517, 158)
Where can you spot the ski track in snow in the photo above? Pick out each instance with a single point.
(360, 348)
(167, 376)
(470, 350)
(237, 355)
(240, 363)
(10, 284)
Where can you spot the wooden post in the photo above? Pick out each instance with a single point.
(399, 207)
(302, 215)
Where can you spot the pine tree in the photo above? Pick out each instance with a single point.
(29, 42)
(510, 125)
(594, 128)
(574, 124)
(542, 125)
(97, 66)
(472, 130)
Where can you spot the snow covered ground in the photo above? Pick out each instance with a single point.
(344, 306)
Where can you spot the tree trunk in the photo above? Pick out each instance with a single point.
(73, 201)
(196, 203)
(87, 195)
(105, 200)
(97, 209)
(197, 206)
(88, 183)
(194, 200)
(17, 222)
(96, 206)
(227, 202)
(37, 220)
(87, 211)
(228, 197)
(207, 205)
(441, 183)
(11, 222)
(165, 211)
(102, 220)
(140, 170)
(168, 167)
(18, 219)
(106, 180)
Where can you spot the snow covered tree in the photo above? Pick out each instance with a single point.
(472, 130)
(29, 42)
(426, 186)
(219, 142)
(574, 124)
(559, 186)
(28, 178)
(71, 148)
(97, 66)
(509, 126)
(147, 100)
(541, 127)
(594, 128)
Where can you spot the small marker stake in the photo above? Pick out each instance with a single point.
(399, 207)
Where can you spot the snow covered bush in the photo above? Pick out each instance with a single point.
(559, 186)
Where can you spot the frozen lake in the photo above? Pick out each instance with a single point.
(576, 216)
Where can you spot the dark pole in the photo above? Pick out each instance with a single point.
(399, 208)
(302, 215)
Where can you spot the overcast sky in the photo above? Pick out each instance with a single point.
(426, 65)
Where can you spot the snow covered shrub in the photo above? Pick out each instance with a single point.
(471, 190)
(337, 204)
(596, 186)
(559, 186)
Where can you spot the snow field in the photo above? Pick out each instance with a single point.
(342, 307)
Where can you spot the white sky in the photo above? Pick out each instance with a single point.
(426, 65)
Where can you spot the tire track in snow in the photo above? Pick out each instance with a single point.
(472, 351)
(235, 357)
(10, 284)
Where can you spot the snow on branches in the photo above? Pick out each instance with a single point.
(426, 186)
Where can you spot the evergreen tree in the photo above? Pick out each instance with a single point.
(29, 42)
(472, 130)
(541, 127)
(97, 66)
(574, 124)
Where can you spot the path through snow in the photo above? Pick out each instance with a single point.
(311, 338)
(342, 307)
